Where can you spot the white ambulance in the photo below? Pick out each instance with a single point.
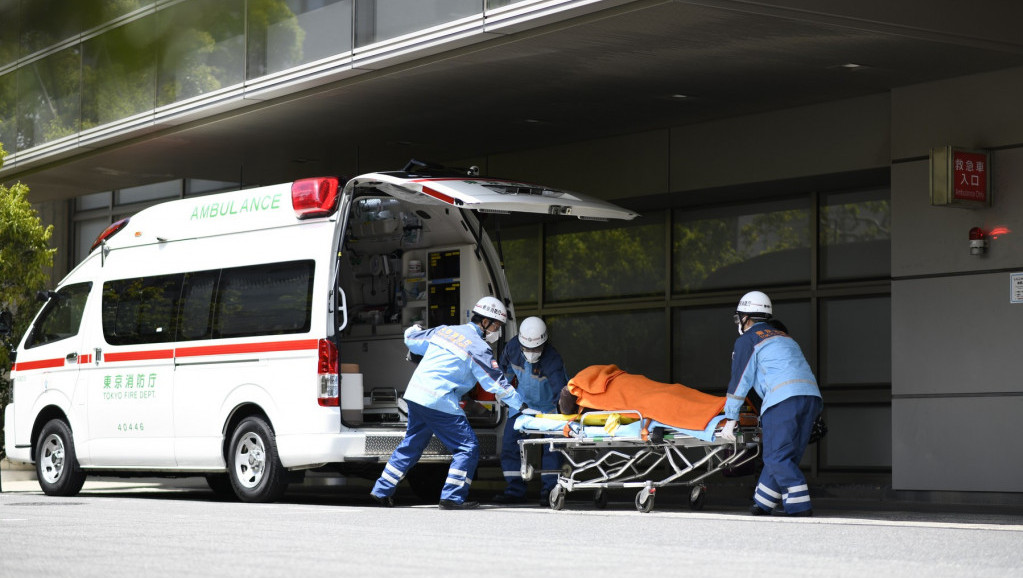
(251, 335)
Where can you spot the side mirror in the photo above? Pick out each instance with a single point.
(6, 323)
(44, 295)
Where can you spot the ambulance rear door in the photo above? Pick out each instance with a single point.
(492, 195)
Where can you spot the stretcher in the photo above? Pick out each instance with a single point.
(605, 450)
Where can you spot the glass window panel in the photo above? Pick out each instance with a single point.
(858, 436)
(705, 336)
(203, 48)
(101, 12)
(632, 340)
(265, 300)
(10, 15)
(9, 111)
(151, 192)
(379, 20)
(283, 34)
(86, 233)
(197, 305)
(520, 248)
(141, 310)
(203, 186)
(119, 73)
(48, 22)
(499, 3)
(62, 317)
(49, 102)
(855, 235)
(857, 341)
(586, 260)
(93, 201)
(759, 244)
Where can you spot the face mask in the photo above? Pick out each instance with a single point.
(492, 336)
(532, 357)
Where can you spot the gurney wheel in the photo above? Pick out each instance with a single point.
(528, 475)
(557, 498)
(697, 496)
(600, 499)
(644, 506)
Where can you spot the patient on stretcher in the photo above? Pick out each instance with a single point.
(606, 387)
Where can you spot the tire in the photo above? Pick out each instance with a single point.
(600, 499)
(644, 506)
(56, 462)
(697, 496)
(557, 498)
(254, 467)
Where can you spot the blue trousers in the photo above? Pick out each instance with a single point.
(511, 463)
(786, 431)
(453, 431)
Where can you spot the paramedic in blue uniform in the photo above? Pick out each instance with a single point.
(768, 361)
(535, 367)
(455, 358)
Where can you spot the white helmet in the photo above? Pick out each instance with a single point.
(491, 308)
(532, 332)
(755, 304)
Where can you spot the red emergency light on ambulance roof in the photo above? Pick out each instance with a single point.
(109, 232)
(314, 197)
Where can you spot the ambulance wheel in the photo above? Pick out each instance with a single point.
(56, 463)
(253, 465)
(644, 505)
(557, 498)
(600, 499)
(697, 496)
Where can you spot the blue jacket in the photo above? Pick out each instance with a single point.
(539, 384)
(455, 358)
(769, 361)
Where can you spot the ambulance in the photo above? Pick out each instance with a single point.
(253, 335)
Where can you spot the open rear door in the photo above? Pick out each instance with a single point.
(490, 195)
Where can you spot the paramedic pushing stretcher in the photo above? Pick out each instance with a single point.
(455, 358)
(767, 360)
(539, 375)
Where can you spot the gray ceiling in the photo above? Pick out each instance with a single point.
(610, 72)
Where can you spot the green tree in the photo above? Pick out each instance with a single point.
(25, 256)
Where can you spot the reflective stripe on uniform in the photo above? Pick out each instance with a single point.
(768, 491)
(455, 482)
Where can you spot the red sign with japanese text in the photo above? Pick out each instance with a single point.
(969, 176)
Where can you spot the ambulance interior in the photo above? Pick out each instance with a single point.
(403, 261)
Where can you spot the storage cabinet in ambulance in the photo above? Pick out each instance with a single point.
(252, 335)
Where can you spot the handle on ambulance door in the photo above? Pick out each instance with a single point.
(344, 309)
(71, 357)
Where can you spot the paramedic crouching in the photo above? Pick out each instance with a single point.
(455, 358)
(767, 360)
(539, 375)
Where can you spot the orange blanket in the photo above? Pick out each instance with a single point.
(605, 387)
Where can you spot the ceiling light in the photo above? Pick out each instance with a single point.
(680, 96)
(851, 66)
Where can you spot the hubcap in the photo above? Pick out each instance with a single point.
(52, 459)
(250, 460)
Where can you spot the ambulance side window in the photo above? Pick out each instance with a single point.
(268, 299)
(197, 305)
(61, 317)
(141, 310)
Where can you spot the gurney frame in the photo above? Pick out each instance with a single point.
(655, 460)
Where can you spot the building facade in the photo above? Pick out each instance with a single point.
(782, 172)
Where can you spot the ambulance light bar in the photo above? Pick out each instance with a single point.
(109, 232)
(314, 197)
